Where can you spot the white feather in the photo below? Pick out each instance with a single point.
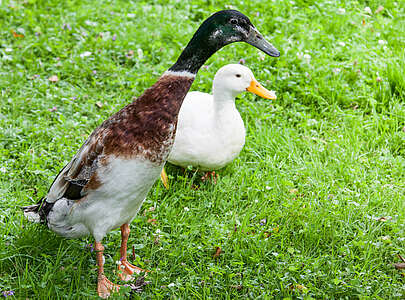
(179, 73)
(124, 186)
(210, 131)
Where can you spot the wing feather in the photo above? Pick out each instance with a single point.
(73, 178)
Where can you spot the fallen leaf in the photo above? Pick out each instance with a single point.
(217, 252)
(99, 104)
(399, 266)
(130, 54)
(379, 9)
(152, 221)
(17, 35)
(301, 287)
(382, 219)
(293, 191)
(237, 287)
(138, 285)
(53, 78)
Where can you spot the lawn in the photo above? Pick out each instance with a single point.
(314, 207)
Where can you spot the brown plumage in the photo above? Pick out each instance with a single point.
(105, 183)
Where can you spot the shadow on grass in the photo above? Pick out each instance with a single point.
(45, 263)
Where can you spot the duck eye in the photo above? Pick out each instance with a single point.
(238, 75)
(234, 21)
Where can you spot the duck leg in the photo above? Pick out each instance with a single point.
(125, 269)
(210, 174)
(104, 286)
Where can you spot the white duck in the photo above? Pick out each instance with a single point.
(105, 183)
(210, 131)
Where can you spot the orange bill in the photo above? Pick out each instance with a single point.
(256, 88)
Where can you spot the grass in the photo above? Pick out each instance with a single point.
(314, 206)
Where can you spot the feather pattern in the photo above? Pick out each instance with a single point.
(139, 135)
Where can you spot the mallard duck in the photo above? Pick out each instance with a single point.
(103, 186)
(210, 131)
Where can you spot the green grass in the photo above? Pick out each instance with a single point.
(302, 204)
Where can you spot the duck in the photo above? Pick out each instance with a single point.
(210, 131)
(104, 185)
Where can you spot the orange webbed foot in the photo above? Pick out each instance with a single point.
(106, 287)
(126, 270)
(210, 175)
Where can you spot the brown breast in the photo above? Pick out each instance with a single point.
(147, 126)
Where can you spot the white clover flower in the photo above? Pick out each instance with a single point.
(85, 54)
(368, 10)
(186, 209)
(90, 23)
(342, 44)
(140, 53)
(261, 56)
(341, 11)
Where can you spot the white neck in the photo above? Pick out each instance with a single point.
(225, 111)
(223, 99)
(179, 73)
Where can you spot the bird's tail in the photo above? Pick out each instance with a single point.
(31, 212)
(37, 212)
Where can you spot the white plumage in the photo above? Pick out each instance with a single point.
(124, 186)
(210, 131)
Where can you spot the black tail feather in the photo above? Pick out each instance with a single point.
(38, 212)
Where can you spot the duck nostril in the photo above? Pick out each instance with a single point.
(258, 37)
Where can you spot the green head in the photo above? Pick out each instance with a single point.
(222, 28)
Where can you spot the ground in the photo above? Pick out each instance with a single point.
(313, 207)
